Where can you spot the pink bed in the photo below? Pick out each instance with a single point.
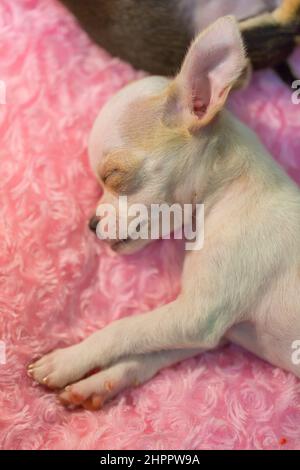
(58, 283)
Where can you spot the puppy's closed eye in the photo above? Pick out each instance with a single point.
(115, 179)
(114, 172)
(119, 171)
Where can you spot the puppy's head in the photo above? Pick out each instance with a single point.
(151, 139)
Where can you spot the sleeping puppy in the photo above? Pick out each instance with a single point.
(161, 140)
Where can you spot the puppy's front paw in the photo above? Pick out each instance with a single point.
(59, 368)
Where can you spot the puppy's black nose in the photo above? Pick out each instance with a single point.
(93, 223)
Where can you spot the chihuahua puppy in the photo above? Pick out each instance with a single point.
(161, 140)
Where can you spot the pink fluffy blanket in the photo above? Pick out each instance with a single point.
(58, 283)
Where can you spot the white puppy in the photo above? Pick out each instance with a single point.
(161, 140)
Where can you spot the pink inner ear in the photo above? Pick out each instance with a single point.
(199, 107)
(201, 95)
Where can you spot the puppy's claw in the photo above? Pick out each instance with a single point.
(62, 401)
(67, 397)
(94, 403)
(109, 386)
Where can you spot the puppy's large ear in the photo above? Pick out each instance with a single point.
(213, 64)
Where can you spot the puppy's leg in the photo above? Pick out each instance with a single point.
(179, 325)
(94, 391)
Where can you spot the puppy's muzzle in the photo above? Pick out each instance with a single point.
(114, 242)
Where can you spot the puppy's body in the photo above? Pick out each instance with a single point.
(171, 141)
(252, 252)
